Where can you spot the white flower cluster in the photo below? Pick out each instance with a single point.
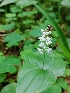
(45, 40)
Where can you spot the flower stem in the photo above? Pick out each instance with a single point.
(44, 59)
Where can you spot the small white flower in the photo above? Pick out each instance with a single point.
(41, 38)
(42, 30)
(40, 50)
(48, 40)
(42, 45)
(45, 41)
(44, 34)
(49, 32)
(48, 49)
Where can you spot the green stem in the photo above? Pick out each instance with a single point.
(5, 10)
(59, 10)
(44, 58)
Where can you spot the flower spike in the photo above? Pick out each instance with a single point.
(45, 40)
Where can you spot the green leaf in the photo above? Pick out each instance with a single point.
(9, 15)
(25, 3)
(8, 65)
(68, 89)
(35, 77)
(67, 72)
(36, 31)
(26, 22)
(2, 77)
(15, 9)
(7, 27)
(62, 83)
(68, 40)
(29, 13)
(9, 88)
(2, 10)
(5, 2)
(53, 89)
(13, 39)
(66, 3)
(2, 57)
(65, 51)
(30, 46)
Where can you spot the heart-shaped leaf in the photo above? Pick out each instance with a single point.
(38, 73)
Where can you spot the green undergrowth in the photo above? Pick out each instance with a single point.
(28, 71)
